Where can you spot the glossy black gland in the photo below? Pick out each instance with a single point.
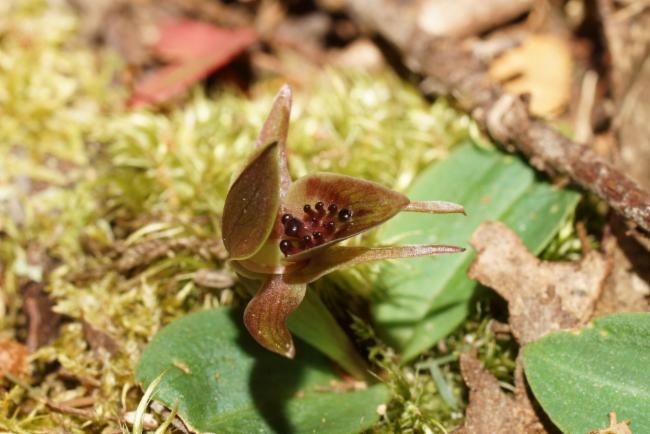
(285, 246)
(286, 218)
(320, 206)
(306, 239)
(330, 225)
(345, 214)
(317, 235)
(332, 208)
(292, 227)
(307, 208)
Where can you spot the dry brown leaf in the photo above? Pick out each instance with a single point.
(13, 358)
(542, 296)
(542, 67)
(614, 427)
(491, 410)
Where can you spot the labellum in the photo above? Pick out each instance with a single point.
(284, 233)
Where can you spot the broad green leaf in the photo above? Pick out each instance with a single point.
(579, 377)
(421, 300)
(224, 382)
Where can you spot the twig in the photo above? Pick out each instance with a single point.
(460, 75)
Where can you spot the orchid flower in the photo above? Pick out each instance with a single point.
(284, 233)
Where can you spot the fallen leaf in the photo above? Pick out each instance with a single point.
(187, 40)
(542, 296)
(525, 69)
(614, 427)
(13, 358)
(491, 410)
(196, 49)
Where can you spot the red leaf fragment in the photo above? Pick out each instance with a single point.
(197, 50)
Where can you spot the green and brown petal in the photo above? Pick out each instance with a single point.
(326, 208)
(266, 314)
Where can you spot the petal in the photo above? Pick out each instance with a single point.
(275, 129)
(251, 209)
(369, 203)
(337, 257)
(266, 314)
(252, 204)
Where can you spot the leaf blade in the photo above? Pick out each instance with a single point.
(210, 352)
(598, 369)
(425, 299)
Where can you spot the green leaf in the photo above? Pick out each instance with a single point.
(224, 382)
(422, 300)
(580, 377)
(314, 323)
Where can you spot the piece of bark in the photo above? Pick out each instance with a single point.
(627, 288)
(454, 71)
(542, 296)
(43, 323)
(491, 410)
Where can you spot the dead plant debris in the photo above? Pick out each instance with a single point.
(542, 296)
(615, 427)
(491, 410)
